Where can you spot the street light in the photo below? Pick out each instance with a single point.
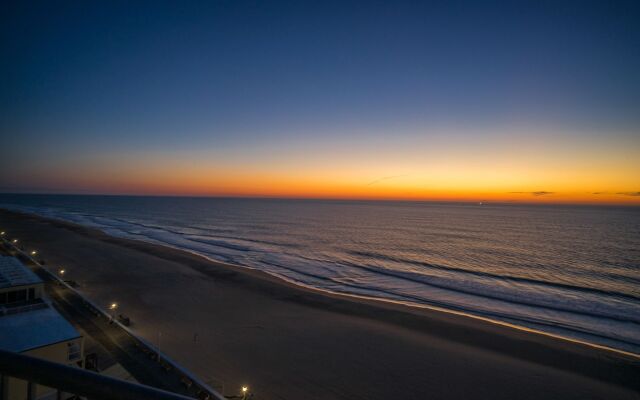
(2, 233)
(113, 307)
(62, 271)
(245, 389)
(33, 253)
(15, 240)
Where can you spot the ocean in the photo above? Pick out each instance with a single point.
(572, 271)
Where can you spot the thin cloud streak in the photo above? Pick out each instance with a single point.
(537, 193)
(385, 178)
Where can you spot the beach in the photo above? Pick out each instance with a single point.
(234, 326)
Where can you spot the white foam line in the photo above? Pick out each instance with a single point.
(406, 304)
(383, 300)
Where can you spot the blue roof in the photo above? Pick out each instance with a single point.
(14, 273)
(32, 329)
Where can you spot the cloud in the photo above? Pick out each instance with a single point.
(620, 193)
(538, 193)
(384, 178)
(541, 193)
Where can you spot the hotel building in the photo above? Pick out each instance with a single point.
(31, 326)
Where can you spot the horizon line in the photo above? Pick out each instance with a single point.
(479, 201)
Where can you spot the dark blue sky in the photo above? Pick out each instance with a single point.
(90, 75)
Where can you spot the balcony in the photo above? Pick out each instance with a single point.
(73, 381)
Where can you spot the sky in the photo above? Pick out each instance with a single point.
(449, 100)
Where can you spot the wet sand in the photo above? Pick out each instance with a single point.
(234, 326)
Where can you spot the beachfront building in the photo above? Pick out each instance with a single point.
(31, 326)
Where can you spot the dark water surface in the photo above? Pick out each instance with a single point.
(568, 270)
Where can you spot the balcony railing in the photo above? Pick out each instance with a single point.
(72, 380)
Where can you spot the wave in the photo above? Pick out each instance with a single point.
(495, 276)
(523, 320)
(455, 286)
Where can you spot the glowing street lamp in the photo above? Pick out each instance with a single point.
(33, 253)
(113, 307)
(2, 233)
(14, 241)
(61, 272)
(245, 391)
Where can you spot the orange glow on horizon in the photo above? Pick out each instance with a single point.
(540, 168)
(182, 183)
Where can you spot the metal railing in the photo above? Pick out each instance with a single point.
(74, 381)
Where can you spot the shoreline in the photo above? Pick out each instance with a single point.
(375, 301)
(459, 328)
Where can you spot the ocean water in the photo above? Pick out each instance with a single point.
(572, 271)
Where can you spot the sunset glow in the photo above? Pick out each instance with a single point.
(503, 126)
(498, 168)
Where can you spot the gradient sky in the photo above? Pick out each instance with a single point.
(451, 100)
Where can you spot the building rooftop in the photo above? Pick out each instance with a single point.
(37, 328)
(14, 273)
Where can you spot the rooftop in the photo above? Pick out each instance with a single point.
(14, 273)
(30, 330)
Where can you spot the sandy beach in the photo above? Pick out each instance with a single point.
(233, 326)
